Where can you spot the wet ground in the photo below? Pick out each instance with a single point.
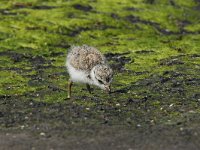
(155, 99)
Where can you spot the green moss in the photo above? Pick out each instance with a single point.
(13, 84)
(151, 33)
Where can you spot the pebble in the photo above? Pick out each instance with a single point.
(191, 111)
(22, 127)
(181, 129)
(42, 134)
(117, 104)
(195, 133)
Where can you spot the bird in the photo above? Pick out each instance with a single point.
(86, 64)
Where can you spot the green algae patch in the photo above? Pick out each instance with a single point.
(13, 84)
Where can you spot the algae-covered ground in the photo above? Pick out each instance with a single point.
(153, 47)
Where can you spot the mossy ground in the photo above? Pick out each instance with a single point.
(153, 47)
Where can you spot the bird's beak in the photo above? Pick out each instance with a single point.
(108, 88)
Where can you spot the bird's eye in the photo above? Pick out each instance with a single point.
(101, 82)
(107, 79)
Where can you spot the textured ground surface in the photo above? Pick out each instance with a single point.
(154, 49)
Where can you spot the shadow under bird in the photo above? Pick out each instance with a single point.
(87, 65)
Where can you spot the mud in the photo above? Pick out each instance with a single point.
(7, 12)
(134, 19)
(158, 27)
(118, 60)
(82, 7)
(44, 7)
(131, 125)
(41, 125)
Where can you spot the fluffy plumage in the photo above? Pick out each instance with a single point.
(86, 64)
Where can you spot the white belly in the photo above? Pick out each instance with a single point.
(77, 75)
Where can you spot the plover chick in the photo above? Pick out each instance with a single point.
(87, 65)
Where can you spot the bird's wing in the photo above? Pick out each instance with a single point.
(84, 59)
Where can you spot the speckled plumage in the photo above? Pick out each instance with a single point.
(86, 64)
(85, 57)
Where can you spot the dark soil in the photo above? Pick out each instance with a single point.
(118, 60)
(40, 125)
(82, 7)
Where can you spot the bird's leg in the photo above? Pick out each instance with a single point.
(88, 88)
(69, 88)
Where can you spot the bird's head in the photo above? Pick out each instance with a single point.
(102, 76)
